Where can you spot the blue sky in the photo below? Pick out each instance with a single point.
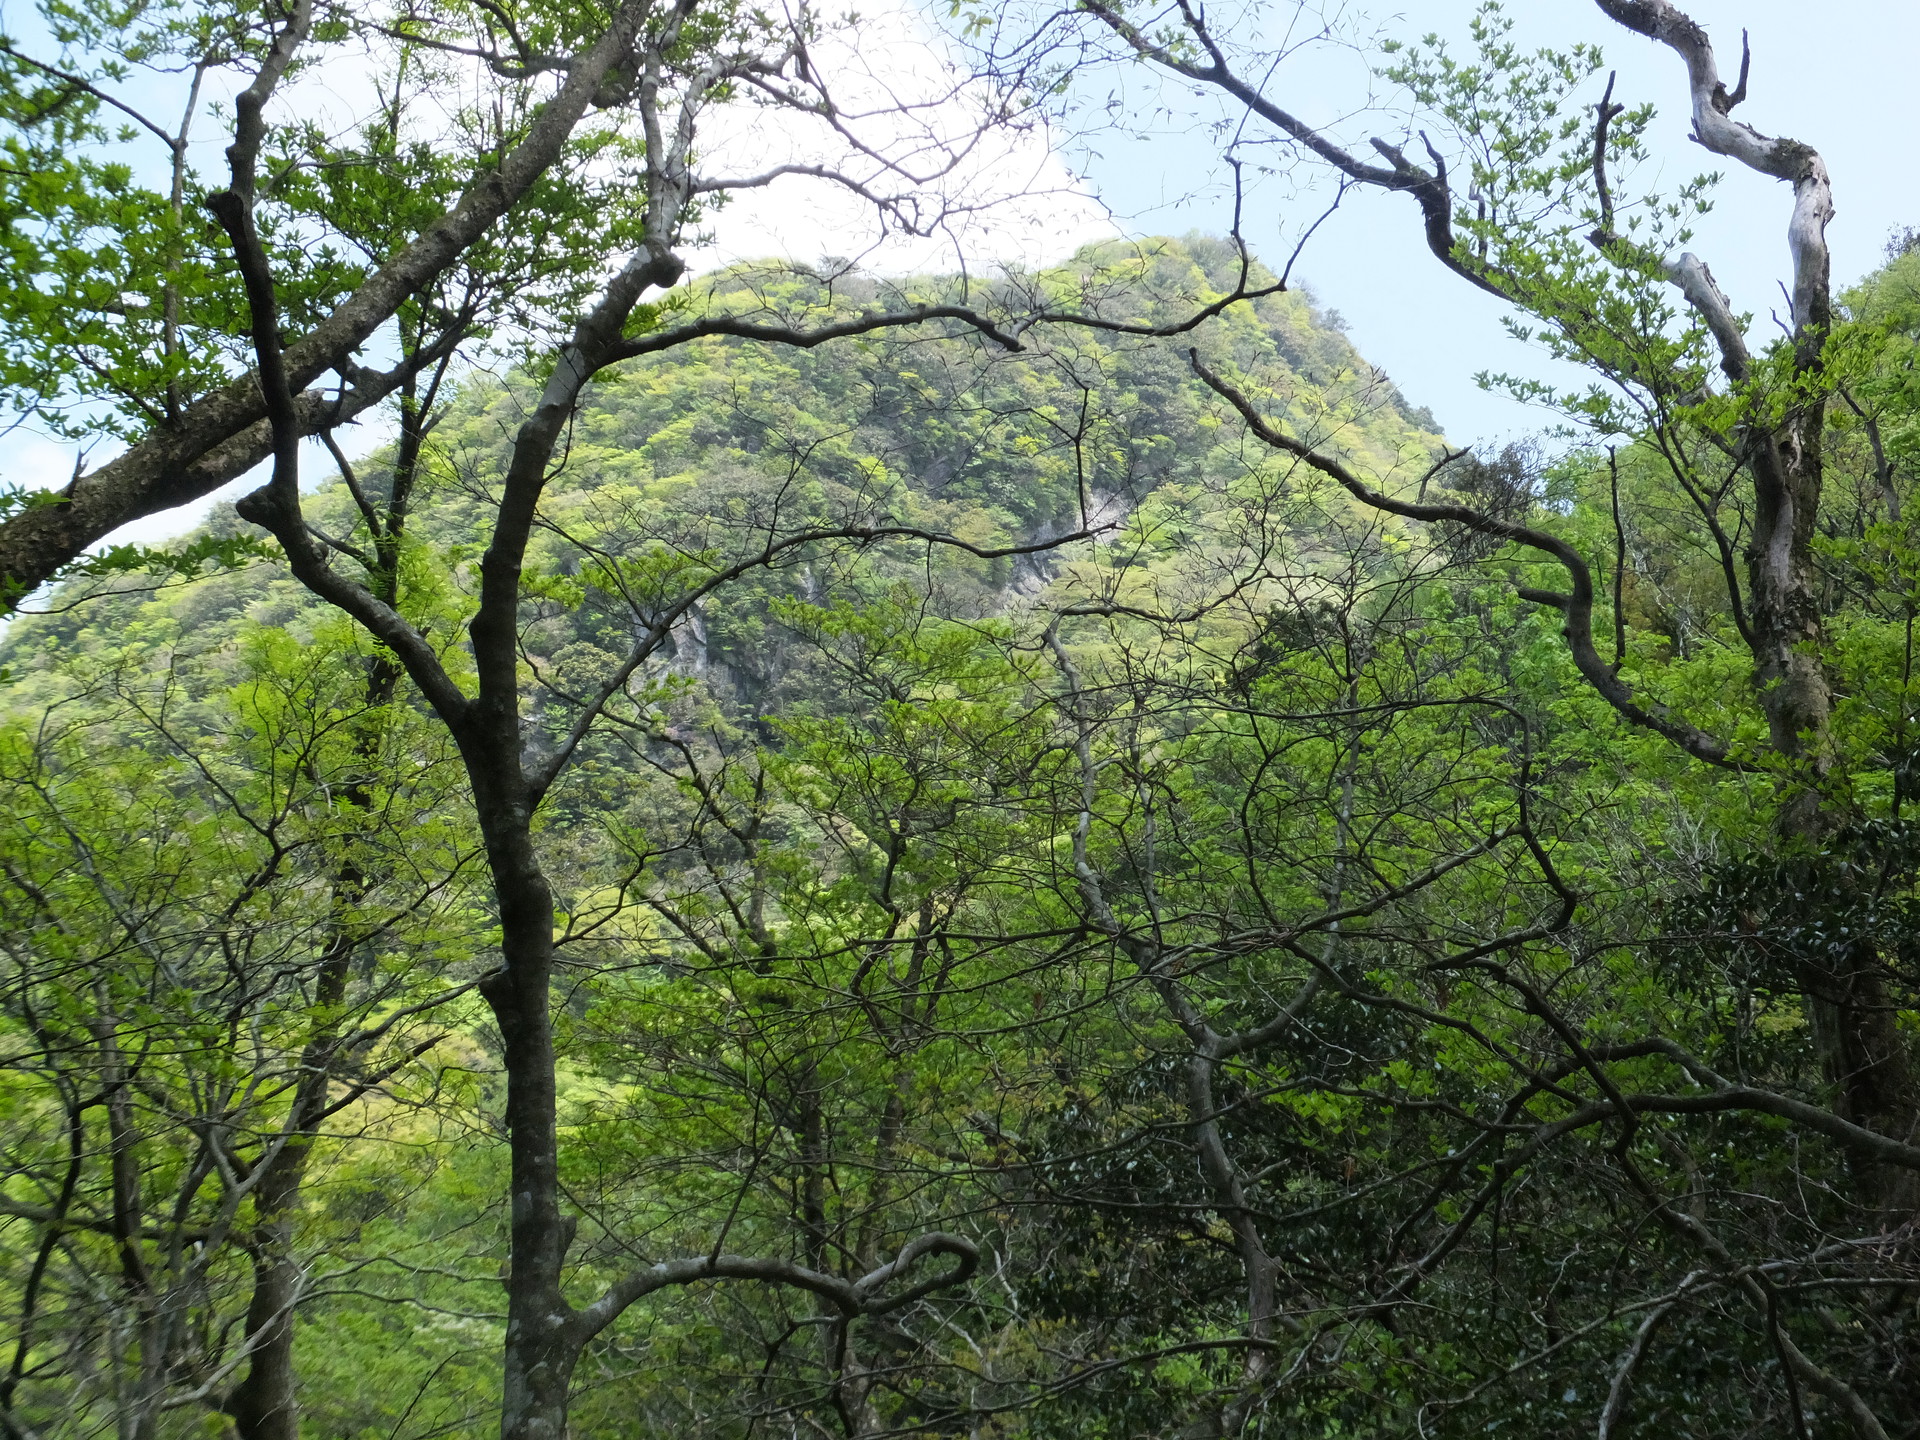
(1843, 82)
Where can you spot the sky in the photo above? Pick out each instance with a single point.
(1843, 84)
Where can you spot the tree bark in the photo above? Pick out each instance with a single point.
(1853, 1020)
(540, 1351)
(1854, 1023)
(265, 1405)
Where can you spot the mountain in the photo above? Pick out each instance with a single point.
(946, 428)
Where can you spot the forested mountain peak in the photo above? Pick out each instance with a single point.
(994, 445)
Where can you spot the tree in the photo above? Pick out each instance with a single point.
(1782, 468)
(611, 562)
(1542, 230)
(679, 71)
(1281, 960)
(443, 220)
(234, 925)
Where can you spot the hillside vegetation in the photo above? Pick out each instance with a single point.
(1237, 930)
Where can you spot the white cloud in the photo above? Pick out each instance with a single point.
(986, 194)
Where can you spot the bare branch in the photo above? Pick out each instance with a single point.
(1621, 1387)
(1577, 607)
(1428, 188)
(1608, 113)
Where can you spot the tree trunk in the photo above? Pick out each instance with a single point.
(540, 1350)
(1854, 1024)
(1230, 1204)
(264, 1405)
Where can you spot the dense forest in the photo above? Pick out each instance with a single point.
(1015, 855)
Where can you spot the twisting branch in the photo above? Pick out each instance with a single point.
(1007, 334)
(1799, 164)
(1608, 113)
(1577, 607)
(1686, 272)
(1429, 188)
(276, 505)
(1619, 562)
(736, 327)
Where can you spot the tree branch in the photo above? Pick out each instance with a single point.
(850, 1297)
(1577, 607)
(168, 466)
(542, 779)
(1428, 188)
(1790, 160)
